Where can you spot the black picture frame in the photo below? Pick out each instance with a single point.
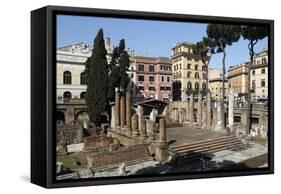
(43, 90)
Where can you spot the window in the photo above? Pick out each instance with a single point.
(174, 68)
(263, 60)
(162, 88)
(141, 78)
(203, 86)
(237, 119)
(263, 71)
(141, 88)
(168, 79)
(188, 74)
(141, 67)
(168, 88)
(253, 72)
(196, 75)
(188, 59)
(180, 66)
(189, 86)
(66, 96)
(151, 88)
(177, 67)
(151, 68)
(262, 83)
(196, 86)
(151, 78)
(82, 79)
(162, 78)
(253, 86)
(83, 95)
(196, 60)
(66, 77)
(180, 74)
(254, 120)
(196, 67)
(188, 66)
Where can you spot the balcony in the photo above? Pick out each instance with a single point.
(70, 101)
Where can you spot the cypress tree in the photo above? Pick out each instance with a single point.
(124, 62)
(114, 78)
(119, 67)
(97, 80)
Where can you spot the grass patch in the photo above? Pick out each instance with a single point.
(67, 160)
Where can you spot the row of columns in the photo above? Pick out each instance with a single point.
(136, 124)
(204, 114)
(122, 111)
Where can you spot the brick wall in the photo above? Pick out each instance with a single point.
(97, 142)
(119, 156)
(67, 133)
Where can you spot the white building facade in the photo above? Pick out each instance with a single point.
(259, 75)
(70, 65)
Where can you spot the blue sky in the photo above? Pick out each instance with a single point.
(153, 38)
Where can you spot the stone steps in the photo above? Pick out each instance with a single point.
(196, 150)
(117, 165)
(208, 141)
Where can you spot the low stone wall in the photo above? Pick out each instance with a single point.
(123, 155)
(68, 134)
(123, 138)
(96, 143)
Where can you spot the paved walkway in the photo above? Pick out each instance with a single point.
(181, 135)
(254, 156)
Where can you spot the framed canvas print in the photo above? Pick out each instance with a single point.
(125, 96)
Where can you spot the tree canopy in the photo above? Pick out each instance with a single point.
(119, 67)
(97, 79)
(222, 35)
(253, 34)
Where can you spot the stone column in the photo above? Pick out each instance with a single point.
(209, 110)
(142, 128)
(150, 129)
(187, 112)
(204, 118)
(265, 122)
(199, 110)
(139, 113)
(191, 109)
(128, 110)
(162, 130)
(176, 114)
(112, 123)
(219, 124)
(117, 108)
(180, 115)
(135, 121)
(231, 109)
(214, 121)
(161, 151)
(122, 111)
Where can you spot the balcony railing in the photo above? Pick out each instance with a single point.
(70, 101)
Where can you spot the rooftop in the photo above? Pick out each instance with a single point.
(183, 43)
